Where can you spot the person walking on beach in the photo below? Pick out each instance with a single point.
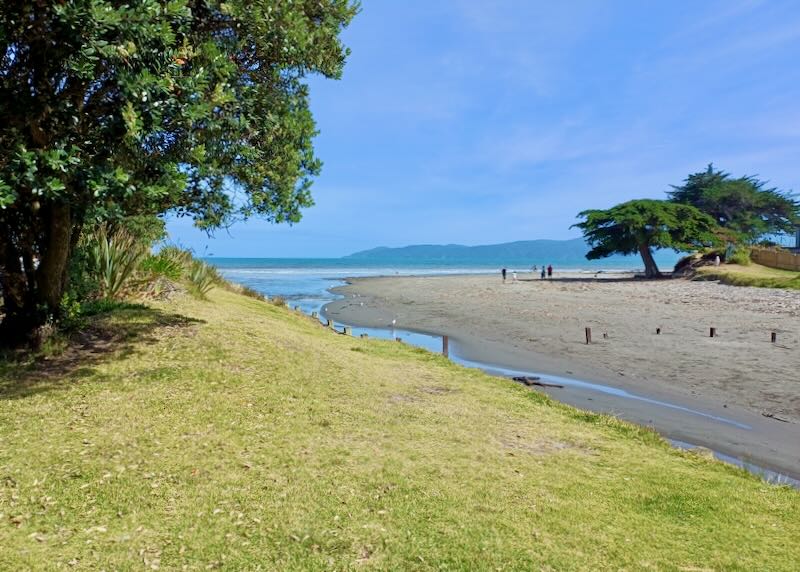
(543, 272)
(549, 270)
(503, 272)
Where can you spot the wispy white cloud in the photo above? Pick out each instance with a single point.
(525, 44)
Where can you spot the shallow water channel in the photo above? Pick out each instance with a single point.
(434, 344)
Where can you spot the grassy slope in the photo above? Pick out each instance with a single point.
(752, 275)
(255, 439)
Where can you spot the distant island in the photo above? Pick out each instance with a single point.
(542, 251)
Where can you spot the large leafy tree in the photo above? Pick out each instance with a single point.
(639, 226)
(744, 206)
(111, 108)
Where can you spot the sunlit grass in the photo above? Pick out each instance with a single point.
(237, 435)
(751, 275)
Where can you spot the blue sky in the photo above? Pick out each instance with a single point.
(480, 122)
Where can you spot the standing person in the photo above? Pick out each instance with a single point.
(503, 272)
(549, 270)
(514, 275)
(543, 272)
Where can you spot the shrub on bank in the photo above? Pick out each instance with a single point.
(120, 267)
(164, 265)
(740, 256)
(114, 259)
(202, 279)
(112, 266)
(252, 293)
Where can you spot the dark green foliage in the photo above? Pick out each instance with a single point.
(82, 283)
(695, 185)
(72, 311)
(148, 229)
(638, 226)
(740, 256)
(113, 110)
(744, 206)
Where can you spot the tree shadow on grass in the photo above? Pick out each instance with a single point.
(112, 335)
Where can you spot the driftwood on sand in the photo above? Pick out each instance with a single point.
(775, 417)
(531, 380)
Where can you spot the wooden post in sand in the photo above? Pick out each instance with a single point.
(445, 346)
(774, 337)
(712, 333)
(588, 336)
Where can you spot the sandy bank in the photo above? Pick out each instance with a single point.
(539, 325)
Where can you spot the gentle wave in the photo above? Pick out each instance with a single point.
(346, 272)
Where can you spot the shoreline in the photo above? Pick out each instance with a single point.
(499, 339)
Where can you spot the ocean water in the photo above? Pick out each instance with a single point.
(305, 282)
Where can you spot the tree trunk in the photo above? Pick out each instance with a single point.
(31, 297)
(650, 267)
(16, 296)
(54, 255)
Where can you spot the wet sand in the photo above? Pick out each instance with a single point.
(538, 325)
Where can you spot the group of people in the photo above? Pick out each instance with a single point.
(547, 272)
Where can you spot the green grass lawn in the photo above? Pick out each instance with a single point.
(236, 435)
(751, 275)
